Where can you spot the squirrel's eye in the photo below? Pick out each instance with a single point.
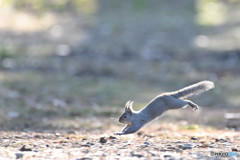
(124, 116)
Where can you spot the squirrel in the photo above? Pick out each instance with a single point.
(135, 120)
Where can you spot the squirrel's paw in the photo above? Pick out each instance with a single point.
(195, 107)
(118, 133)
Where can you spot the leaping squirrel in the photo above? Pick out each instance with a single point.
(135, 120)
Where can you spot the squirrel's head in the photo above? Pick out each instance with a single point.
(126, 117)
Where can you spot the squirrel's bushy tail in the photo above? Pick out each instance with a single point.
(194, 89)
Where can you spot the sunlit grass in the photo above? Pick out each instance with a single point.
(22, 21)
(211, 12)
(86, 6)
(40, 6)
(37, 15)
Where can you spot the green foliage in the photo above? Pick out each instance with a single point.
(139, 4)
(85, 6)
(5, 53)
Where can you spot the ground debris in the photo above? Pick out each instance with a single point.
(139, 155)
(194, 138)
(19, 155)
(185, 146)
(112, 137)
(24, 148)
(103, 140)
(100, 145)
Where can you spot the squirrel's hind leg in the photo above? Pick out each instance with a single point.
(175, 103)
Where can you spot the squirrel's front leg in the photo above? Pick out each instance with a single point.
(129, 130)
(123, 130)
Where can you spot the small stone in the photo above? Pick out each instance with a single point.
(185, 146)
(194, 138)
(19, 155)
(136, 155)
(167, 156)
(25, 149)
(85, 145)
(58, 147)
(57, 134)
(235, 150)
(85, 158)
(84, 139)
(204, 146)
(37, 136)
(146, 143)
(143, 146)
(64, 144)
(165, 150)
(89, 143)
(172, 148)
(178, 150)
(112, 137)
(221, 140)
(140, 133)
(103, 140)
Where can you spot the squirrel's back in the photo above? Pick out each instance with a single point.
(194, 89)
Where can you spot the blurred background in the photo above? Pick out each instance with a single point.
(74, 63)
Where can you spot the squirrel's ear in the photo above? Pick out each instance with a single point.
(127, 105)
(129, 108)
(130, 104)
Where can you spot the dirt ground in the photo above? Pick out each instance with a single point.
(165, 141)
